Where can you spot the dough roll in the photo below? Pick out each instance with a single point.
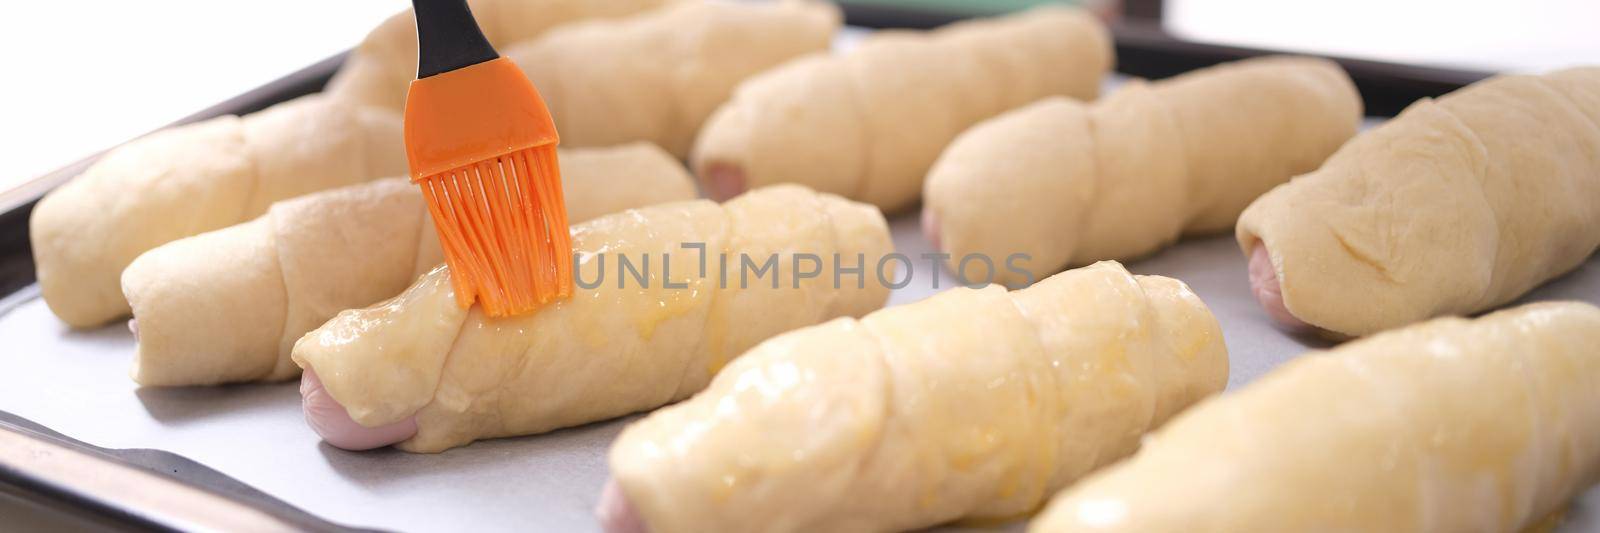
(630, 339)
(1069, 184)
(1458, 205)
(379, 71)
(972, 404)
(658, 75)
(1451, 425)
(195, 178)
(228, 305)
(868, 123)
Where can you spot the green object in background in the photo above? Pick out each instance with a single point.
(960, 7)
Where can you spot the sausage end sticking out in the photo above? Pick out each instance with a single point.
(1264, 283)
(334, 425)
(724, 181)
(616, 514)
(930, 228)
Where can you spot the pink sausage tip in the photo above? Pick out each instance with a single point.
(724, 181)
(333, 423)
(616, 513)
(1264, 283)
(930, 228)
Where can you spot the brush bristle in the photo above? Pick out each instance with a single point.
(503, 225)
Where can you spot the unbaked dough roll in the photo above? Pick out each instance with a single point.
(1069, 184)
(379, 71)
(191, 179)
(228, 305)
(868, 123)
(974, 404)
(657, 76)
(617, 346)
(1458, 205)
(1452, 425)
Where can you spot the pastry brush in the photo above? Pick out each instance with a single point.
(482, 147)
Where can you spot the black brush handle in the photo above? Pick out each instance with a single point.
(448, 38)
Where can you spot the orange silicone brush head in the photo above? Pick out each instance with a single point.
(482, 147)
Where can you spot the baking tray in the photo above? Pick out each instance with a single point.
(243, 453)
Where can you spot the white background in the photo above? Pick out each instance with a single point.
(80, 76)
(1492, 35)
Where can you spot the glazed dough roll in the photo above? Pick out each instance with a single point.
(867, 124)
(380, 70)
(971, 404)
(195, 178)
(228, 305)
(618, 345)
(1068, 183)
(657, 76)
(1456, 206)
(1452, 425)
